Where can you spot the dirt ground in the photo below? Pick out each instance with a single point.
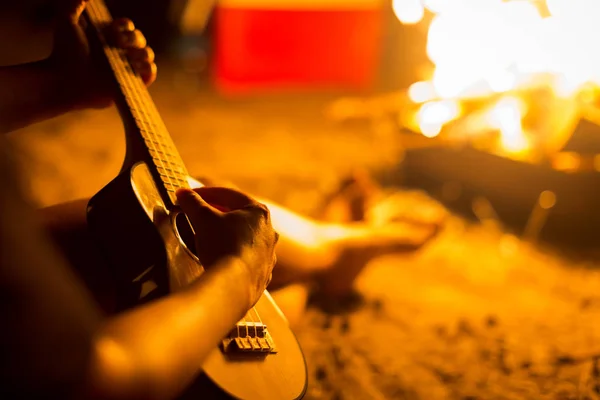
(477, 314)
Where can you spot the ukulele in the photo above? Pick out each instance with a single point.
(145, 239)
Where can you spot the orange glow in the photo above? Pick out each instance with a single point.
(547, 199)
(193, 183)
(420, 92)
(481, 48)
(476, 45)
(498, 44)
(435, 114)
(506, 116)
(566, 161)
(596, 163)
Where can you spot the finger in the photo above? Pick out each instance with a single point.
(196, 208)
(131, 40)
(146, 70)
(142, 61)
(226, 197)
(77, 10)
(269, 280)
(118, 28)
(121, 25)
(145, 54)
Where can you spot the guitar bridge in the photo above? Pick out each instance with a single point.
(249, 337)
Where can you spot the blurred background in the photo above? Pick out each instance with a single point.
(485, 108)
(507, 86)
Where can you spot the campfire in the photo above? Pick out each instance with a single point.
(511, 77)
(507, 108)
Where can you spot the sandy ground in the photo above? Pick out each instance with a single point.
(475, 315)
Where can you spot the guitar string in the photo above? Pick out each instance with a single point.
(134, 105)
(122, 75)
(174, 173)
(172, 165)
(139, 102)
(129, 73)
(130, 97)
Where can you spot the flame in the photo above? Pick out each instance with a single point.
(491, 47)
(481, 46)
(495, 44)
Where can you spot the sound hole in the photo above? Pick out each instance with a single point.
(185, 232)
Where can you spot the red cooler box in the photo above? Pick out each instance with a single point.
(274, 45)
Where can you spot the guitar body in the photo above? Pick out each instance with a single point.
(146, 249)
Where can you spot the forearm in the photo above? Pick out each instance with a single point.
(154, 351)
(30, 93)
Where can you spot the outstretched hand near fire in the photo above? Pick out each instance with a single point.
(229, 223)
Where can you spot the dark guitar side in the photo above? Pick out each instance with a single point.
(139, 238)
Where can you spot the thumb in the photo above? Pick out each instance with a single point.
(198, 211)
(69, 37)
(76, 14)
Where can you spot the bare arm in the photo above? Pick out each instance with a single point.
(54, 341)
(30, 93)
(68, 79)
(154, 352)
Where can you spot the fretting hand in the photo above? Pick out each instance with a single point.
(82, 82)
(242, 230)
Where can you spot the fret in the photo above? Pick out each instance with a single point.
(171, 178)
(144, 119)
(145, 134)
(172, 162)
(153, 134)
(174, 166)
(169, 173)
(169, 184)
(168, 168)
(139, 110)
(152, 142)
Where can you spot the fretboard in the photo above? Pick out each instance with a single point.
(137, 106)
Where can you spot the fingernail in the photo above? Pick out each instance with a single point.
(126, 26)
(183, 191)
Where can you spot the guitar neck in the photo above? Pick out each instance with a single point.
(145, 129)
